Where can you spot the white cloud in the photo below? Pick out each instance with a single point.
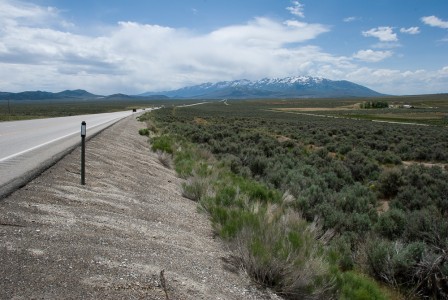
(435, 22)
(264, 32)
(25, 11)
(133, 57)
(296, 9)
(19, 13)
(444, 71)
(397, 82)
(350, 19)
(372, 56)
(389, 45)
(37, 53)
(384, 34)
(410, 30)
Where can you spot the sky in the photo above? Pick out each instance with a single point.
(397, 47)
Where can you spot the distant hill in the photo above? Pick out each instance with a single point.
(119, 97)
(289, 87)
(76, 94)
(139, 97)
(72, 94)
(40, 95)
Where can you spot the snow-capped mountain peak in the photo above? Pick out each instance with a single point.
(287, 87)
(267, 81)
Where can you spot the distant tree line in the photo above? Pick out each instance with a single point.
(374, 104)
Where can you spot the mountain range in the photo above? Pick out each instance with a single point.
(70, 95)
(288, 87)
(40, 95)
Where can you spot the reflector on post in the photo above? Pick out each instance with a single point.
(83, 128)
(83, 152)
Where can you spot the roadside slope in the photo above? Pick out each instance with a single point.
(113, 236)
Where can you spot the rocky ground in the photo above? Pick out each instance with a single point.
(111, 238)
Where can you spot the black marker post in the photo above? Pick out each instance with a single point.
(83, 152)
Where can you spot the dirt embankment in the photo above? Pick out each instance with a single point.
(111, 238)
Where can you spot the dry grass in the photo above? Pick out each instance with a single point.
(431, 276)
(165, 159)
(444, 166)
(196, 187)
(285, 254)
(411, 115)
(200, 121)
(307, 109)
(151, 126)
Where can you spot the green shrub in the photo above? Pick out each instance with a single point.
(387, 157)
(234, 163)
(185, 162)
(411, 198)
(427, 225)
(258, 191)
(361, 166)
(230, 222)
(379, 256)
(144, 131)
(227, 195)
(359, 223)
(392, 223)
(310, 198)
(419, 267)
(393, 261)
(340, 253)
(390, 182)
(420, 188)
(163, 143)
(258, 166)
(286, 254)
(406, 259)
(359, 287)
(356, 198)
(331, 217)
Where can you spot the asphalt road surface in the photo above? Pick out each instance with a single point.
(29, 147)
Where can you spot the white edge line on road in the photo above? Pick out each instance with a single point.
(49, 142)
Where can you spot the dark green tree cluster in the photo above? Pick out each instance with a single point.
(374, 104)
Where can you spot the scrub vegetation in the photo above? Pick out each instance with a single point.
(317, 207)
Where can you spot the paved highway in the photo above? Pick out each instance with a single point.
(29, 147)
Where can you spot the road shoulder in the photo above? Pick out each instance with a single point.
(112, 237)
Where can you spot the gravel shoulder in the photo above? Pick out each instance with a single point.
(111, 238)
